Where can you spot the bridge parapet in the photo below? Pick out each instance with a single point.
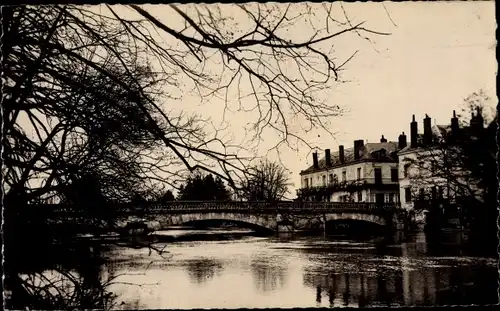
(247, 207)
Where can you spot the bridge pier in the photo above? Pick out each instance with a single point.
(284, 224)
(408, 220)
(285, 228)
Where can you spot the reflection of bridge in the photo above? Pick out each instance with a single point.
(271, 216)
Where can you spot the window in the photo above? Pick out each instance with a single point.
(359, 173)
(344, 176)
(360, 196)
(330, 179)
(378, 175)
(394, 174)
(391, 198)
(324, 180)
(386, 198)
(407, 195)
(311, 182)
(406, 170)
(306, 183)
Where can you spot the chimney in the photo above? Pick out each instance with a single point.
(315, 160)
(402, 141)
(328, 158)
(341, 154)
(427, 131)
(479, 118)
(383, 140)
(454, 125)
(413, 133)
(358, 145)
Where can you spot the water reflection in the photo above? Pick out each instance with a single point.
(268, 276)
(292, 271)
(401, 275)
(204, 269)
(75, 280)
(331, 271)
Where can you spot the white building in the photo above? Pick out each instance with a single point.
(424, 172)
(364, 173)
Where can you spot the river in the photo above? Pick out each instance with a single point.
(238, 270)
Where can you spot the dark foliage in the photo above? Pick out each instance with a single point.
(204, 188)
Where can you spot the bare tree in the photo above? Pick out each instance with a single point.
(67, 67)
(267, 181)
(474, 101)
(86, 94)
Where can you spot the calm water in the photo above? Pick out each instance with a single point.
(263, 272)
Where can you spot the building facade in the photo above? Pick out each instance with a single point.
(431, 168)
(364, 173)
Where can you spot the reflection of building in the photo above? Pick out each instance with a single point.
(357, 289)
(202, 270)
(365, 173)
(267, 278)
(410, 287)
(431, 167)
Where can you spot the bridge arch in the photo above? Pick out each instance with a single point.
(364, 217)
(264, 222)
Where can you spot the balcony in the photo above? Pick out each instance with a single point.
(347, 186)
(331, 188)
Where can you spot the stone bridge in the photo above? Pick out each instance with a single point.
(278, 216)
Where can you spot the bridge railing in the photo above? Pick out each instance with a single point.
(195, 206)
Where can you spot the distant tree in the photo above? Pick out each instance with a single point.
(138, 199)
(267, 181)
(168, 196)
(204, 188)
(470, 105)
(222, 192)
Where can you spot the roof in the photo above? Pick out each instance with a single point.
(370, 151)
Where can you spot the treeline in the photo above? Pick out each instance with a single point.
(266, 181)
(200, 188)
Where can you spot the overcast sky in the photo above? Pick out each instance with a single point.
(436, 55)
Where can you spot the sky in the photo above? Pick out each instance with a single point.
(436, 55)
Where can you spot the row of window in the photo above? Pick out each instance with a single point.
(332, 178)
(374, 197)
(437, 192)
(433, 166)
